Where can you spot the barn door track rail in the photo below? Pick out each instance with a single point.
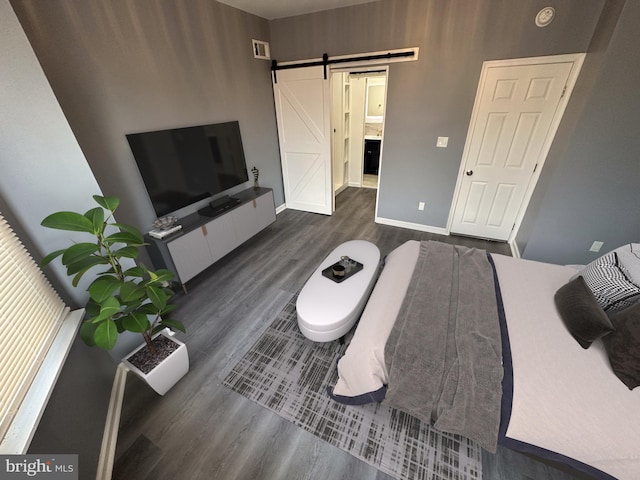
(326, 61)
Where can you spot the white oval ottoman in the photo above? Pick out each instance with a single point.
(327, 309)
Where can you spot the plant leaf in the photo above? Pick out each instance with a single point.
(161, 276)
(134, 272)
(124, 237)
(127, 252)
(135, 306)
(130, 229)
(69, 221)
(106, 335)
(157, 296)
(130, 291)
(78, 252)
(85, 264)
(96, 216)
(110, 203)
(92, 309)
(118, 322)
(52, 256)
(157, 328)
(79, 275)
(136, 322)
(104, 287)
(174, 324)
(108, 308)
(148, 309)
(168, 309)
(87, 333)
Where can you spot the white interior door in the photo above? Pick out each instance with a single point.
(515, 117)
(303, 111)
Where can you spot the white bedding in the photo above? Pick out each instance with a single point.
(362, 369)
(566, 399)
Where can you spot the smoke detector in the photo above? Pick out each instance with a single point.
(545, 16)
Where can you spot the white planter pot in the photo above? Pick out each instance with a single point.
(168, 372)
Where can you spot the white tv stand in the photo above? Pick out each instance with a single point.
(204, 240)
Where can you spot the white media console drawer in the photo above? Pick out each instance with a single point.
(206, 240)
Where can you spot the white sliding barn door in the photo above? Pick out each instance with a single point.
(516, 114)
(303, 112)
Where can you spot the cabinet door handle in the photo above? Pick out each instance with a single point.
(204, 230)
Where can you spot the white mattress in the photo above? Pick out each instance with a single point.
(566, 399)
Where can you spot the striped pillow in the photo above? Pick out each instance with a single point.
(611, 283)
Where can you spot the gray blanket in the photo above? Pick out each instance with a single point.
(444, 354)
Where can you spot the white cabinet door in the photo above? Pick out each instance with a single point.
(196, 250)
(253, 216)
(265, 212)
(190, 254)
(220, 237)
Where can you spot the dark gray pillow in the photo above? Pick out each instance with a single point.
(623, 346)
(583, 316)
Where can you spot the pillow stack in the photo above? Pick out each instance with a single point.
(612, 282)
(603, 301)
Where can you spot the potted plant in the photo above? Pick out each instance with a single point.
(134, 299)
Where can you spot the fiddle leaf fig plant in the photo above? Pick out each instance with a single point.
(134, 299)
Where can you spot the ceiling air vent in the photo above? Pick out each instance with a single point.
(261, 49)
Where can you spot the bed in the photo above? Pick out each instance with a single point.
(557, 399)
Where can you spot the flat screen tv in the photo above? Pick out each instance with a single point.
(182, 166)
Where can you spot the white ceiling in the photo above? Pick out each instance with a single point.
(271, 9)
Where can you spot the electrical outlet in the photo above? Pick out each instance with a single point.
(421, 206)
(596, 246)
(442, 142)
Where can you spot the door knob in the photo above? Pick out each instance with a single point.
(469, 172)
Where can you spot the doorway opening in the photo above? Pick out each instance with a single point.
(357, 114)
(318, 154)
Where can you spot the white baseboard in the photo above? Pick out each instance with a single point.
(281, 208)
(412, 226)
(515, 252)
(341, 189)
(112, 424)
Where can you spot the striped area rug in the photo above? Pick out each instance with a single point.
(288, 374)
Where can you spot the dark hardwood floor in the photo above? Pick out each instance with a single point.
(202, 430)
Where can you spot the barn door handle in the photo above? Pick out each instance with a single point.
(469, 172)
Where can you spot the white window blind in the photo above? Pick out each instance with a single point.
(31, 313)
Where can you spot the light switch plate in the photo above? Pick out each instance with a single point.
(596, 246)
(442, 142)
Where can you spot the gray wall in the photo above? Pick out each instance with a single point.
(589, 189)
(131, 66)
(433, 96)
(118, 67)
(42, 167)
(42, 170)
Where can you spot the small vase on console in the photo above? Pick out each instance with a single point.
(256, 174)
